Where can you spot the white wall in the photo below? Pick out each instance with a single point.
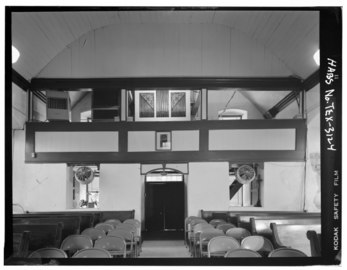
(139, 50)
(37, 187)
(141, 141)
(120, 187)
(218, 99)
(284, 186)
(207, 187)
(313, 177)
(252, 139)
(76, 141)
(185, 140)
(85, 104)
(45, 187)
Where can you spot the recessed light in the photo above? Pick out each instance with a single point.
(15, 54)
(316, 57)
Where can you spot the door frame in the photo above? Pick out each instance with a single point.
(184, 190)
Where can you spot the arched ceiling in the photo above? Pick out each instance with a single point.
(292, 36)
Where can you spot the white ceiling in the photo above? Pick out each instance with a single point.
(40, 36)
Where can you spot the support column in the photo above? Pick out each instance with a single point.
(123, 113)
(29, 105)
(204, 104)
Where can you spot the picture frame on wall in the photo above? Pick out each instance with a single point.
(163, 141)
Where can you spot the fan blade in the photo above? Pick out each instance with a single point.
(234, 188)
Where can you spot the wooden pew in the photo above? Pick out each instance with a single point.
(71, 224)
(87, 219)
(228, 216)
(293, 236)
(244, 218)
(315, 243)
(21, 244)
(41, 235)
(261, 225)
(121, 215)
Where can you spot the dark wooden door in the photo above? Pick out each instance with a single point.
(164, 206)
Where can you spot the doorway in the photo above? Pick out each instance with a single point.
(164, 202)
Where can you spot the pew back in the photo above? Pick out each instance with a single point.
(261, 225)
(244, 218)
(228, 216)
(21, 244)
(41, 235)
(71, 224)
(293, 236)
(121, 215)
(315, 242)
(87, 219)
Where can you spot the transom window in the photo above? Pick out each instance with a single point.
(164, 176)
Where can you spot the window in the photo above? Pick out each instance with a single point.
(247, 194)
(164, 176)
(85, 186)
(164, 105)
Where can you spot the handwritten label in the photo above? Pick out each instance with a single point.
(330, 105)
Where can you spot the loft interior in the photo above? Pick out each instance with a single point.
(165, 113)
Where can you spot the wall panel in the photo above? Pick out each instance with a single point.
(76, 141)
(141, 141)
(252, 139)
(185, 140)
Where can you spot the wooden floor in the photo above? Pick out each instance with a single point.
(164, 249)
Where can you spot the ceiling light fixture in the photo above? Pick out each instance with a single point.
(316, 57)
(15, 54)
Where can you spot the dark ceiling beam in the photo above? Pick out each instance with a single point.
(20, 81)
(310, 82)
(253, 83)
(283, 103)
(23, 84)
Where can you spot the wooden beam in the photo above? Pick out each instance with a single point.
(311, 81)
(307, 85)
(26, 86)
(254, 83)
(20, 81)
(283, 103)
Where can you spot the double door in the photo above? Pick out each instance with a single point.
(164, 206)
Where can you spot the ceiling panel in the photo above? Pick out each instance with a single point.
(291, 36)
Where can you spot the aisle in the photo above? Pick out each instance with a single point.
(164, 249)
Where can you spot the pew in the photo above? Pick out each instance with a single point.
(41, 235)
(293, 236)
(261, 225)
(71, 224)
(228, 216)
(244, 218)
(98, 215)
(87, 220)
(121, 215)
(315, 242)
(21, 244)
